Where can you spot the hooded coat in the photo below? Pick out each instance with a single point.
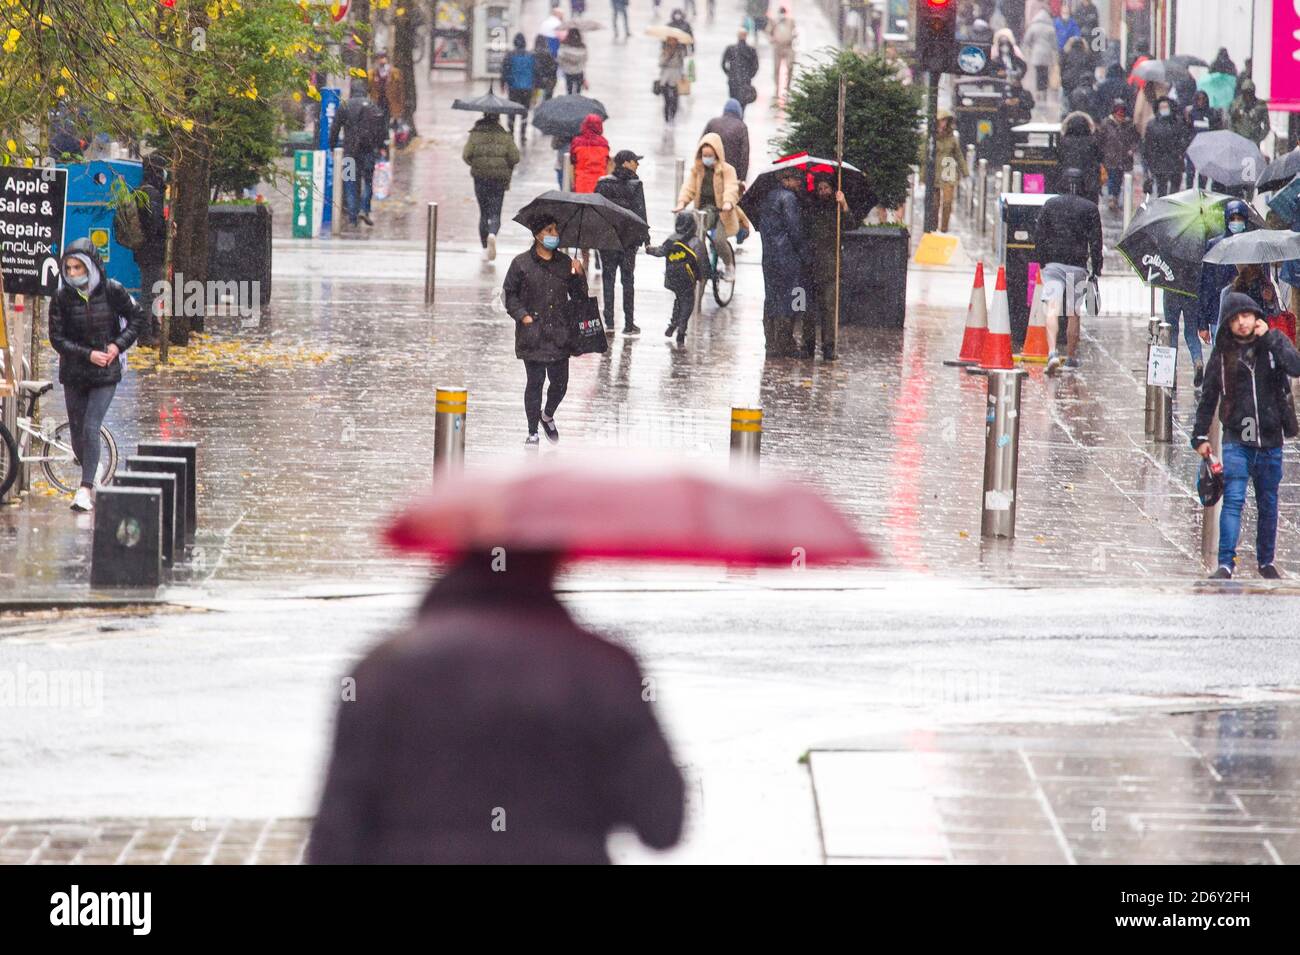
(82, 321)
(733, 132)
(1013, 61)
(1118, 141)
(1114, 87)
(1248, 115)
(1251, 378)
(1165, 141)
(519, 66)
(785, 251)
(360, 124)
(490, 152)
(726, 186)
(1076, 63)
(495, 707)
(1201, 116)
(687, 258)
(948, 153)
(1039, 42)
(1080, 149)
(589, 151)
(1215, 278)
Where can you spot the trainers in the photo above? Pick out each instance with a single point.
(1223, 573)
(1054, 363)
(668, 332)
(1269, 572)
(631, 329)
(365, 217)
(1198, 376)
(82, 501)
(531, 441)
(552, 432)
(491, 247)
(1071, 362)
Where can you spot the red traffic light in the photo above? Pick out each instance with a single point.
(937, 3)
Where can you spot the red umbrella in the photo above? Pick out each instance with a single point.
(642, 512)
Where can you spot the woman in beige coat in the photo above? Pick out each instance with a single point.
(720, 191)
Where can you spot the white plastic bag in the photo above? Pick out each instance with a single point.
(383, 181)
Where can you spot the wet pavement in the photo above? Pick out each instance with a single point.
(316, 421)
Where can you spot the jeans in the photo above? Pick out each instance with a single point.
(537, 372)
(86, 409)
(620, 10)
(490, 195)
(1115, 181)
(1263, 466)
(365, 173)
(1186, 306)
(613, 265)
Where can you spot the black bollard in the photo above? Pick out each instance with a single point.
(189, 450)
(165, 482)
(178, 467)
(127, 549)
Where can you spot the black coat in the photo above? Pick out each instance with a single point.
(82, 324)
(545, 290)
(1081, 150)
(1252, 380)
(1069, 232)
(740, 63)
(495, 730)
(1165, 143)
(1114, 87)
(785, 251)
(624, 189)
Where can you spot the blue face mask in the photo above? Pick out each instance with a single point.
(78, 281)
(1236, 227)
(708, 160)
(552, 242)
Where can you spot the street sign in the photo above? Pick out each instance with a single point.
(1160, 365)
(32, 203)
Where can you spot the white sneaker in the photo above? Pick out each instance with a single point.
(492, 247)
(82, 501)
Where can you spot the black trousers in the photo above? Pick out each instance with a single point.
(670, 101)
(490, 195)
(613, 265)
(1164, 183)
(683, 305)
(538, 372)
(523, 98)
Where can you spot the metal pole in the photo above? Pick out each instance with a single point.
(1004, 183)
(982, 185)
(931, 145)
(1128, 198)
(970, 178)
(1163, 413)
(1153, 332)
(449, 431)
(431, 253)
(1210, 515)
(1001, 453)
(680, 177)
(746, 438)
(336, 197)
(26, 348)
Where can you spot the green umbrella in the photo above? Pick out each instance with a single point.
(1220, 87)
(1165, 242)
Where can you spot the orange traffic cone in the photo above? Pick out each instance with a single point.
(997, 341)
(977, 323)
(1036, 337)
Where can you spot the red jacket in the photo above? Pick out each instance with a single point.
(590, 153)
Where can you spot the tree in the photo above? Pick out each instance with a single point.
(881, 116)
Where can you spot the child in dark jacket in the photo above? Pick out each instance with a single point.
(687, 265)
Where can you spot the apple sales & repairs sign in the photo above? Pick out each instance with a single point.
(32, 203)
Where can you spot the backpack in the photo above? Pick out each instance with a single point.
(127, 226)
(372, 132)
(681, 258)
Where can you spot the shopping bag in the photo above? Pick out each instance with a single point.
(383, 180)
(588, 332)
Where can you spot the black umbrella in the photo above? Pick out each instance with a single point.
(587, 220)
(1256, 248)
(491, 103)
(563, 115)
(1279, 172)
(857, 193)
(1165, 242)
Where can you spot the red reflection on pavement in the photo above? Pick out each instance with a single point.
(906, 477)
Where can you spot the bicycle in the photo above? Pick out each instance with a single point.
(57, 459)
(720, 253)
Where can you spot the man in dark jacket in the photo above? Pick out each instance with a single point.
(1246, 379)
(518, 76)
(740, 63)
(824, 208)
(541, 288)
(623, 188)
(152, 253)
(360, 124)
(1115, 86)
(93, 321)
(1201, 117)
(1215, 278)
(785, 255)
(496, 730)
(733, 132)
(1069, 243)
(1164, 147)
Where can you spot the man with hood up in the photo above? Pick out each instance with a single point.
(1248, 115)
(93, 321)
(1164, 146)
(1215, 278)
(1115, 86)
(1246, 379)
(1080, 149)
(685, 269)
(360, 124)
(519, 76)
(733, 132)
(1201, 117)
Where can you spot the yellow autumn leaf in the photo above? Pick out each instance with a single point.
(360, 73)
(11, 146)
(46, 20)
(187, 125)
(297, 98)
(11, 41)
(111, 96)
(60, 91)
(63, 72)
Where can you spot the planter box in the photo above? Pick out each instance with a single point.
(239, 245)
(873, 277)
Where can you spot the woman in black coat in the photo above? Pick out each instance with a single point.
(93, 321)
(541, 288)
(1080, 150)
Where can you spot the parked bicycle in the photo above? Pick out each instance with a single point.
(53, 441)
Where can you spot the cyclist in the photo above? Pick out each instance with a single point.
(93, 321)
(715, 193)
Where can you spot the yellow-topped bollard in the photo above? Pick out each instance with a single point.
(449, 407)
(746, 437)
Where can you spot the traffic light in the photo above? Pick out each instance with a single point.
(936, 36)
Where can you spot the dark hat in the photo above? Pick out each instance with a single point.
(623, 155)
(1236, 302)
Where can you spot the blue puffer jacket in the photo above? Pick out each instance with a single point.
(1214, 278)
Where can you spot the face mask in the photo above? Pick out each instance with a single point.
(552, 242)
(1165, 113)
(708, 161)
(1236, 227)
(78, 281)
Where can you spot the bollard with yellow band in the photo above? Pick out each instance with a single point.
(449, 409)
(746, 437)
